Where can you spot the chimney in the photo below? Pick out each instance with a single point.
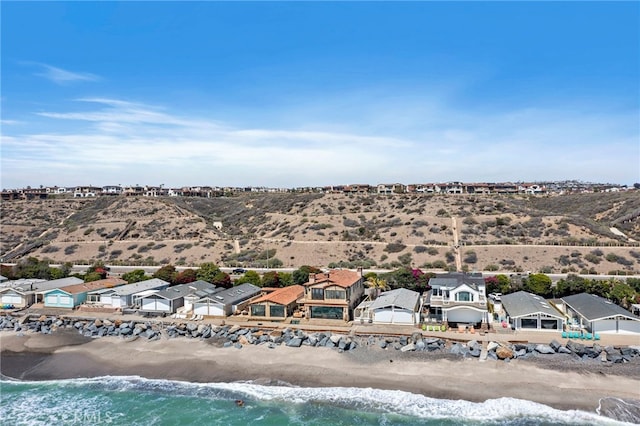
(312, 278)
(359, 270)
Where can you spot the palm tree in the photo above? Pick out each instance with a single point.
(378, 285)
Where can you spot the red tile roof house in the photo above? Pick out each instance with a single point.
(278, 304)
(75, 295)
(333, 294)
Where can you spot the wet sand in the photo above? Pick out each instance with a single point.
(69, 355)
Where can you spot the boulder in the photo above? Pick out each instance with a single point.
(107, 323)
(410, 347)
(520, 354)
(404, 340)
(382, 344)
(628, 351)
(555, 345)
(433, 347)
(563, 350)
(420, 345)
(610, 350)
(192, 326)
(475, 351)
(576, 348)
(591, 353)
(416, 336)
(117, 323)
(227, 344)
(504, 352)
(237, 346)
(295, 342)
(457, 349)
(491, 346)
(98, 323)
(335, 338)
(271, 345)
(242, 339)
(472, 344)
(545, 349)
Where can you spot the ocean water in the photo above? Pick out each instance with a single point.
(135, 400)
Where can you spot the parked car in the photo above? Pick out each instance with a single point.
(239, 271)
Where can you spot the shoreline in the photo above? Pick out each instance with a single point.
(68, 355)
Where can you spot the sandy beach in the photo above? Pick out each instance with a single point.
(69, 355)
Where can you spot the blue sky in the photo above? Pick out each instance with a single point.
(301, 94)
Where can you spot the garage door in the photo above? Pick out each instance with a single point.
(162, 305)
(116, 302)
(402, 317)
(65, 300)
(211, 310)
(382, 316)
(51, 299)
(629, 326)
(464, 316)
(11, 299)
(605, 326)
(149, 304)
(106, 300)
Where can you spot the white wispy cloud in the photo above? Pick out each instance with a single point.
(62, 76)
(126, 142)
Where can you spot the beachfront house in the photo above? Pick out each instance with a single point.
(226, 302)
(72, 296)
(169, 300)
(598, 315)
(278, 304)
(526, 311)
(333, 294)
(399, 306)
(122, 296)
(457, 299)
(18, 293)
(40, 289)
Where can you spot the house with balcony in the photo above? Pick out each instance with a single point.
(332, 295)
(457, 298)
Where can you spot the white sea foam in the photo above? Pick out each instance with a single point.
(367, 399)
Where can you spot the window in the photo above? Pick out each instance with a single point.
(276, 311)
(335, 294)
(464, 296)
(317, 294)
(258, 310)
(327, 312)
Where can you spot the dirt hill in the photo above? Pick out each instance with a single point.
(570, 233)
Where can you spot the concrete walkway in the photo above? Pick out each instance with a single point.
(360, 329)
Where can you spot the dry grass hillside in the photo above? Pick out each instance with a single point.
(569, 233)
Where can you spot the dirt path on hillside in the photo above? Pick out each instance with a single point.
(456, 245)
